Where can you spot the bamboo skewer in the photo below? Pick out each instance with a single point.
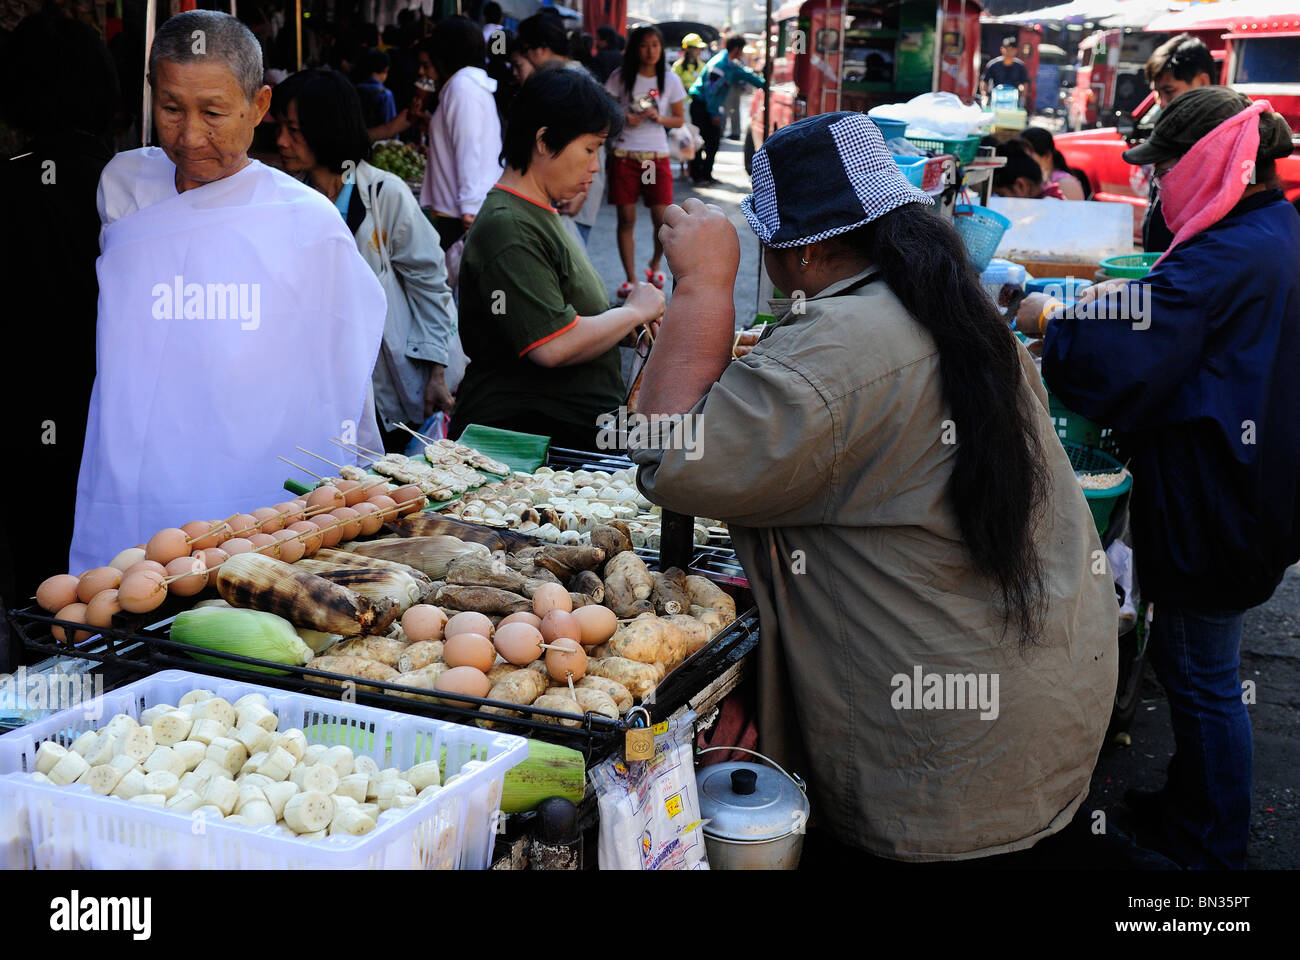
(302, 468)
(336, 466)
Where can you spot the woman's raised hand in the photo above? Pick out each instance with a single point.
(701, 244)
(648, 302)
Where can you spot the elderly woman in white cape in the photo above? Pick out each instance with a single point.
(236, 318)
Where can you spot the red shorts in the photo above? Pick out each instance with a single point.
(630, 178)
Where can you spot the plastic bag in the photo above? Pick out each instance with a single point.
(435, 428)
(936, 116)
(1120, 555)
(650, 811)
(682, 142)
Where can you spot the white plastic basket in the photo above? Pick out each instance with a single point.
(52, 827)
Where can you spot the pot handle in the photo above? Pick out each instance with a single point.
(797, 780)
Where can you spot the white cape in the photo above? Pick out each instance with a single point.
(270, 345)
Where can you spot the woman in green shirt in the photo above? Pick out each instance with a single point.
(535, 320)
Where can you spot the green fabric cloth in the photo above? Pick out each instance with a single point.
(524, 278)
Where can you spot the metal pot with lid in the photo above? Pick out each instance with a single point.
(754, 815)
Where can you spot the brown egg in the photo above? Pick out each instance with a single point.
(201, 534)
(551, 596)
(523, 616)
(386, 504)
(374, 487)
(597, 623)
(559, 623)
(469, 650)
(463, 680)
(352, 491)
(268, 519)
(187, 586)
(312, 541)
(212, 558)
(411, 497)
(291, 549)
(371, 521)
(142, 591)
(327, 496)
(424, 621)
(153, 565)
(468, 622)
(195, 529)
(220, 534)
(570, 661)
(290, 511)
(244, 525)
(94, 581)
(102, 608)
(351, 529)
(331, 532)
(166, 545)
(237, 545)
(263, 544)
(57, 592)
(519, 643)
(76, 612)
(127, 558)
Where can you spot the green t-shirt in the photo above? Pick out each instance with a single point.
(523, 280)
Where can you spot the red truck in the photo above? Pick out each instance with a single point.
(1261, 59)
(851, 55)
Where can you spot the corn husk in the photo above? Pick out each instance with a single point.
(247, 633)
(256, 582)
(430, 555)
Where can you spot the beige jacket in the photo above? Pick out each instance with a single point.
(823, 449)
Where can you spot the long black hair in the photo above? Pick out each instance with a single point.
(632, 58)
(1000, 474)
(1042, 143)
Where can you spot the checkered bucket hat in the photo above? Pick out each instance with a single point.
(822, 176)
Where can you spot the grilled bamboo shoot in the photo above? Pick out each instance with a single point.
(263, 583)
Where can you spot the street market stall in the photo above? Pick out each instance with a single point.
(416, 597)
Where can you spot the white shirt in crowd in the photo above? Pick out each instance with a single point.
(646, 136)
(464, 145)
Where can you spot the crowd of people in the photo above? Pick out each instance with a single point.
(356, 305)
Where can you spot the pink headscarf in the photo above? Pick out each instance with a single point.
(1209, 180)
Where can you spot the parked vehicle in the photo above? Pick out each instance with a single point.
(1261, 59)
(852, 55)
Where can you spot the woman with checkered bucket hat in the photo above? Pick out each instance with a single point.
(937, 655)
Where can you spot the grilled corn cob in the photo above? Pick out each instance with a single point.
(263, 583)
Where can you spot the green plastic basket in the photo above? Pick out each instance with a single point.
(964, 149)
(1131, 266)
(1075, 428)
(1100, 502)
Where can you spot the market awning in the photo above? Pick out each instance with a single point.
(1228, 14)
(1108, 13)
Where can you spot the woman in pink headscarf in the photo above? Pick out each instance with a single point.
(1194, 366)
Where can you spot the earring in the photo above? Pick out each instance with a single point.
(803, 262)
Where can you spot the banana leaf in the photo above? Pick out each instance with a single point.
(519, 451)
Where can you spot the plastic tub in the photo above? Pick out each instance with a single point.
(889, 129)
(925, 173)
(52, 827)
(981, 229)
(1131, 266)
(1063, 288)
(1075, 428)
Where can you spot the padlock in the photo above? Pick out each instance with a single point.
(639, 740)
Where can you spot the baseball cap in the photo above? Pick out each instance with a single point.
(693, 40)
(821, 176)
(1192, 115)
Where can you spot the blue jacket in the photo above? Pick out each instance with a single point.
(1207, 402)
(716, 80)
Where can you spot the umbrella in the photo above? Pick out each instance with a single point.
(674, 30)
